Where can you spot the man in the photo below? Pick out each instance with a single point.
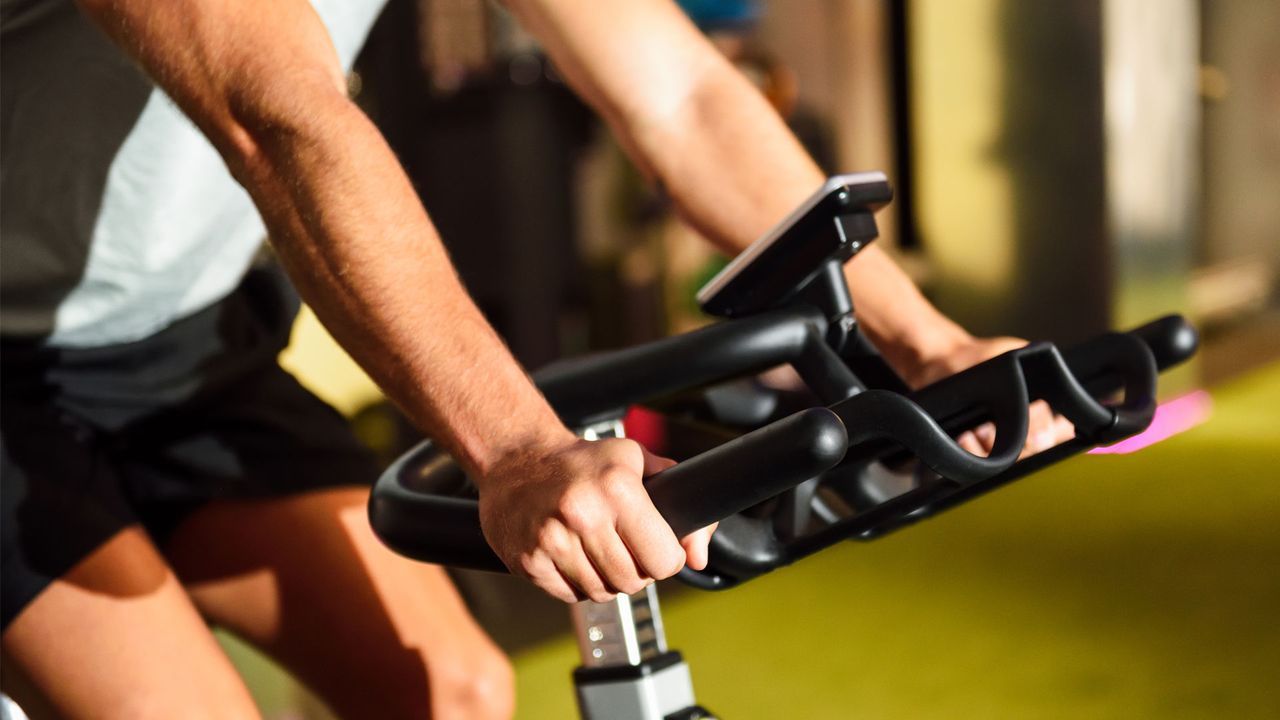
(155, 458)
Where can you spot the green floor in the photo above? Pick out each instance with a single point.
(1139, 586)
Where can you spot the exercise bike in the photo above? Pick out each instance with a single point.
(855, 455)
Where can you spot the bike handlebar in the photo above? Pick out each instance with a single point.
(438, 528)
(415, 510)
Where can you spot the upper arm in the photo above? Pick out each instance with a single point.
(235, 67)
(635, 61)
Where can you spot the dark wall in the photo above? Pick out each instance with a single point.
(493, 162)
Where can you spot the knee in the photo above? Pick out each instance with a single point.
(482, 687)
(474, 683)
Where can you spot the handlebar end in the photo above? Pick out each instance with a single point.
(1172, 339)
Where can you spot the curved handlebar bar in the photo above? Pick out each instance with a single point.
(585, 389)
(924, 422)
(411, 516)
(415, 508)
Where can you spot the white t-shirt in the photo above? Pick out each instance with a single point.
(117, 216)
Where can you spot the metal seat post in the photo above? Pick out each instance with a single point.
(627, 671)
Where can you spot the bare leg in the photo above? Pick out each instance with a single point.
(374, 634)
(117, 637)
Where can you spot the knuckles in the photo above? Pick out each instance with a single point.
(552, 539)
(582, 509)
(671, 562)
(559, 591)
(631, 587)
(618, 484)
(590, 487)
(528, 565)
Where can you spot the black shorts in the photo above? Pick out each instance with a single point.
(96, 439)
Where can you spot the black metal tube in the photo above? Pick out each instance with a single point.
(723, 481)
(584, 389)
(410, 513)
(748, 469)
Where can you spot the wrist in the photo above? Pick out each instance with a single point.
(917, 348)
(910, 333)
(501, 457)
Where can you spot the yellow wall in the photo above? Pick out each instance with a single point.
(963, 190)
(325, 368)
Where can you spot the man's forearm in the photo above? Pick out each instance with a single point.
(735, 174)
(354, 237)
(693, 123)
(262, 81)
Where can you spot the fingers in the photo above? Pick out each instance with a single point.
(654, 463)
(615, 562)
(1039, 428)
(573, 566)
(583, 542)
(695, 546)
(649, 538)
(579, 524)
(539, 569)
(622, 543)
(1063, 429)
(582, 573)
(979, 440)
(663, 563)
(1044, 430)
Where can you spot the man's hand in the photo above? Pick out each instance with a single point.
(576, 521)
(1045, 428)
(684, 114)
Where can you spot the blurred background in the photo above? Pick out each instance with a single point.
(1062, 167)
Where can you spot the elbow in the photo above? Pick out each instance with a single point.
(264, 123)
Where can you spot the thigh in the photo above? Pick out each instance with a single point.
(116, 636)
(374, 634)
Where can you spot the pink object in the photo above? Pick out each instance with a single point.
(647, 428)
(1177, 415)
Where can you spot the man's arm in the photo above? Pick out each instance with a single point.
(263, 82)
(695, 125)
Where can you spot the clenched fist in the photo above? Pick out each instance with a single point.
(574, 518)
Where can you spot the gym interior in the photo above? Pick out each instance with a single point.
(1060, 168)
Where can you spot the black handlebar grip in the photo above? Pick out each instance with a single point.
(1141, 373)
(415, 520)
(1171, 338)
(1111, 362)
(748, 469)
